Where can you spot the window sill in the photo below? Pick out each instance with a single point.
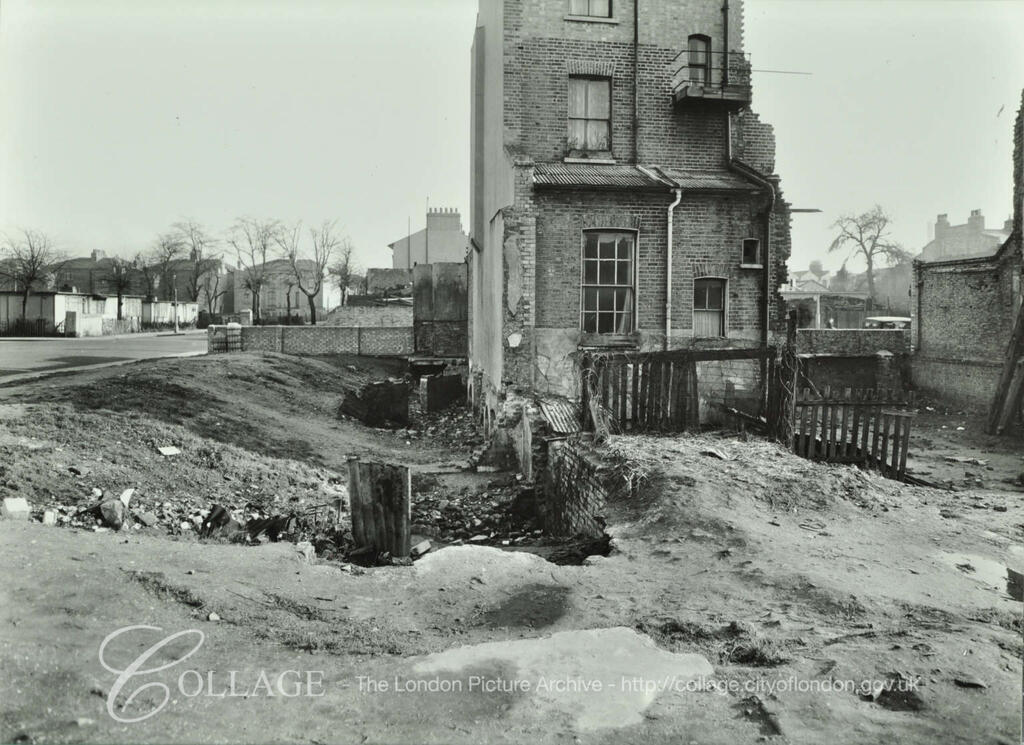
(751, 266)
(592, 340)
(592, 19)
(594, 161)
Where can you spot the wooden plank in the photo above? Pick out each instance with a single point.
(692, 397)
(876, 435)
(623, 395)
(844, 448)
(901, 470)
(886, 425)
(1012, 398)
(865, 434)
(586, 371)
(897, 439)
(635, 378)
(355, 502)
(644, 368)
(855, 427)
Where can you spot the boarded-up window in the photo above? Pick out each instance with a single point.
(590, 114)
(699, 63)
(708, 308)
(608, 281)
(602, 8)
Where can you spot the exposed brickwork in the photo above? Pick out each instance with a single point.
(317, 340)
(368, 315)
(577, 484)
(852, 342)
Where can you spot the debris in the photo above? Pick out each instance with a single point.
(15, 508)
(306, 551)
(971, 461)
(169, 450)
(378, 403)
(84, 722)
(97, 493)
(965, 680)
(716, 453)
(185, 526)
(50, 517)
(112, 513)
(420, 548)
(146, 518)
(126, 496)
(487, 469)
(213, 617)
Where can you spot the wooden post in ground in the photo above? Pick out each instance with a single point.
(380, 496)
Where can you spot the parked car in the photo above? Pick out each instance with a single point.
(887, 322)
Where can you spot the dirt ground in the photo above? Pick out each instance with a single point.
(831, 604)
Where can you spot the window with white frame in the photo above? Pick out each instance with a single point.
(590, 115)
(751, 252)
(599, 8)
(708, 307)
(609, 276)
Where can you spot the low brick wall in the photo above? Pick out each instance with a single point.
(577, 484)
(381, 341)
(968, 383)
(852, 342)
(369, 315)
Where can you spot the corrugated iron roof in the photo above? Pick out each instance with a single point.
(708, 180)
(561, 414)
(595, 175)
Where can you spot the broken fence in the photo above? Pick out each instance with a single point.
(665, 391)
(380, 498)
(866, 427)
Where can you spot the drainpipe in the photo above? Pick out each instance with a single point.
(636, 82)
(725, 44)
(668, 268)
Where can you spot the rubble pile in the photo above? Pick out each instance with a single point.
(501, 514)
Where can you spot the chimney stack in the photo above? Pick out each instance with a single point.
(976, 222)
(941, 225)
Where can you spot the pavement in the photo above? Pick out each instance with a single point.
(26, 358)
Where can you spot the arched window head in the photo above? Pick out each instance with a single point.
(699, 61)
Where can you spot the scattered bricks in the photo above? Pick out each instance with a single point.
(420, 548)
(443, 391)
(15, 508)
(146, 518)
(169, 450)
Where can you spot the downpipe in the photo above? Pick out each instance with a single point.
(668, 267)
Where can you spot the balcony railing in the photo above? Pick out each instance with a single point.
(713, 78)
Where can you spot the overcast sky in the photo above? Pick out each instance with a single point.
(118, 118)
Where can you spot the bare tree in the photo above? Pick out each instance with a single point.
(30, 259)
(212, 290)
(310, 267)
(167, 249)
(252, 240)
(344, 270)
(149, 274)
(199, 244)
(119, 275)
(867, 234)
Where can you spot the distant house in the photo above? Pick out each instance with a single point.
(280, 294)
(443, 240)
(963, 241)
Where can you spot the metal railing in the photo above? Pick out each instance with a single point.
(713, 70)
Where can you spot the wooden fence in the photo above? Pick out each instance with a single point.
(380, 497)
(868, 427)
(652, 391)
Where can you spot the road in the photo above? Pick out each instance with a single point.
(20, 357)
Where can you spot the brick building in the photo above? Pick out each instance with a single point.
(964, 309)
(442, 240)
(960, 241)
(622, 189)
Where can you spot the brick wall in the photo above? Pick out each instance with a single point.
(577, 483)
(368, 315)
(381, 341)
(852, 342)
